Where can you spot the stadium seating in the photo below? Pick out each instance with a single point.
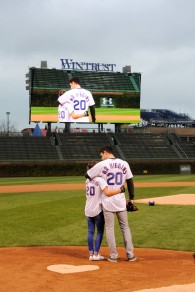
(145, 146)
(27, 149)
(94, 81)
(164, 116)
(188, 150)
(149, 116)
(171, 116)
(105, 81)
(185, 149)
(47, 78)
(85, 147)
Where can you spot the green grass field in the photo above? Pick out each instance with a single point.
(107, 113)
(101, 111)
(57, 218)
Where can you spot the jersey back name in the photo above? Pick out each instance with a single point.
(115, 171)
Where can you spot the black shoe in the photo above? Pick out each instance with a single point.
(132, 259)
(112, 260)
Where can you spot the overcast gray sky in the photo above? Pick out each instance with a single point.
(155, 37)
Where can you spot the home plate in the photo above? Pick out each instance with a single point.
(69, 269)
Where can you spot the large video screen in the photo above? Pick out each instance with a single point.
(117, 106)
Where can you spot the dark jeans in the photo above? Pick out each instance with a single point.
(97, 221)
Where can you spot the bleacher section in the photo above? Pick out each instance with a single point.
(49, 78)
(171, 116)
(27, 149)
(164, 116)
(185, 149)
(98, 81)
(78, 147)
(83, 146)
(188, 149)
(149, 116)
(43, 79)
(145, 146)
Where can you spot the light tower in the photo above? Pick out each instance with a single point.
(8, 113)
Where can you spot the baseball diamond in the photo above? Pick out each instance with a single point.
(66, 268)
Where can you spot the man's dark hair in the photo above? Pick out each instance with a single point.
(90, 164)
(75, 80)
(61, 92)
(107, 149)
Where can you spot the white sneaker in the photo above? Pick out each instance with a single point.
(97, 257)
(91, 257)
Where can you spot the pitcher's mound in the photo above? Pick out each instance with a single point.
(182, 199)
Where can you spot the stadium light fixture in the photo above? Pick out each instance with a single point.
(8, 113)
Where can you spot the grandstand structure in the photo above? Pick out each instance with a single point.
(165, 118)
(97, 82)
(25, 149)
(157, 141)
(82, 147)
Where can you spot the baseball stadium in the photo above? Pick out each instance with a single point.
(43, 234)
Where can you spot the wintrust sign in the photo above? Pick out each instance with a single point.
(69, 64)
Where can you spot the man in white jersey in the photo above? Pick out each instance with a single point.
(115, 171)
(93, 212)
(66, 111)
(81, 99)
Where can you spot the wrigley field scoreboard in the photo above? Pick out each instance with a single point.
(116, 94)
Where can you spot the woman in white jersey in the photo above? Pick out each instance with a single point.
(66, 111)
(93, 212)
(115, 172)
(81, 100)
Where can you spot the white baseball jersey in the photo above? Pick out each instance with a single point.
(64, 112)
(81, 99)
(94, 189)
(115, 171)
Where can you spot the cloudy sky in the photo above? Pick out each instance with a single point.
(155, 37)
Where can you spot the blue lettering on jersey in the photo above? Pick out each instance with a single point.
(72, 97)
(114, 178)
(95, 182)
(80, 105)
(105, 170)
(83, 95)
(119, 166)
(114, 165)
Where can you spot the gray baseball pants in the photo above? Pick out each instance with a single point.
(110, 235)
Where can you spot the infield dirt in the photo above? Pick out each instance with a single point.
(24, 269)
